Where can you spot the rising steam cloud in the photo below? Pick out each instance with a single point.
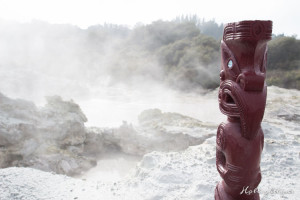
(39, 59)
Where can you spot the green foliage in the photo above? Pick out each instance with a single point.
(210, 28)
(284, 62)
(284, 78)
(183, 53)
(187, 53)
(191, 63)
(187, 59)
(284, 53)
(161, 33)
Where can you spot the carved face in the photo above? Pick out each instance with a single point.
(243, 90)
(245, 64)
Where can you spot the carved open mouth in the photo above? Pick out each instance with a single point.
(227, 103)
(246, 105)
(227, 98)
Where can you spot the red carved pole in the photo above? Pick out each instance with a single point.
(242, 97)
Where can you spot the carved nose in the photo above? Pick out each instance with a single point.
(250, 81)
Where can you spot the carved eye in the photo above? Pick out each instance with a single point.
(230, 64)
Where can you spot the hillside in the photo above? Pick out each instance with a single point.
(182, 54)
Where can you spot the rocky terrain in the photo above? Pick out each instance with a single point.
(178, 152)
(54, 137)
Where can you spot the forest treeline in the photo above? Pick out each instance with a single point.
(187, 51)
(284, 62)
(183, 53)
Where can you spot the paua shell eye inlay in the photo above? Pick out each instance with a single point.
(230, 64)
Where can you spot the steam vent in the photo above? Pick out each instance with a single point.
(242, 97)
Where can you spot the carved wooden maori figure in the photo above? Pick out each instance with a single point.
(242, 97)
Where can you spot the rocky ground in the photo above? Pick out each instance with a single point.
(178, 152)
(54, 137)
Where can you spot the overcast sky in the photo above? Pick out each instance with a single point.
(285, 14)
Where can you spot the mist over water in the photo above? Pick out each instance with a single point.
(100, 68)
(126, 104)
(111, 72)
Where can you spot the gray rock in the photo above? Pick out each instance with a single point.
(158, 131)
(51, 138)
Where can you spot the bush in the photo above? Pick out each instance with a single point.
(284, 53)
(284, 78)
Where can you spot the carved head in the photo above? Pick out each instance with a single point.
(243, 70)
